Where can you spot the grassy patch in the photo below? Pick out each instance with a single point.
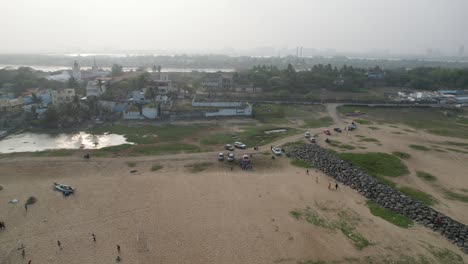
(280, 113)
(169, 148)
(456, 196)
(366, 139)
(376, 163)
(419, 147)
(363, 121)
(373, 128)
(398, 133)
(389, 215)
(401, 155)
(131, 164)
(54, 153)
(221, 138)
(198, 167)
(315, 123)
(117, 148)
(444, 256)
(300, 163)
(426, 176)
(458, 151)
(156, 167)
(337, 144)
(346, 224)
(150, 134)
(458, 144)
(421, 196)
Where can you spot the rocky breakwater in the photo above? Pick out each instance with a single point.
(382, 194)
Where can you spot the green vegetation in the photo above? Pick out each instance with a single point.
(426, 176)
(437, 121)
(373, 128)
(117, 148)
(443, 255)
(198, 167)
(419, 147)
(169, 148)
(300, 163)
(53, 153)
(221, 138)
(421, 196)
(389, 215)
(337, 144)
(150, 134)
(131, 164)
(315, 123)
(402, 155)
(156, 167)
(453, 143)
(366, 139)
(346, 224)
(376, 163)
(457, 150)
(363, 121)
(456, 196)
(280, 114)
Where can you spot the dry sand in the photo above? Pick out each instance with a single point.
(176, 216)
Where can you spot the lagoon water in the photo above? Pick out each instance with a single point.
(30, 142)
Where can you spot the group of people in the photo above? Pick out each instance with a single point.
(329, 184)
(59, 244)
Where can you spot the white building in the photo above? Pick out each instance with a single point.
(94, 89)
(62, 96)
(76, 72)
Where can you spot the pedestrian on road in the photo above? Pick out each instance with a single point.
(94, 237)
(118, 249)
(336, 186)
(59, 244)
(23, 253)
(307, 172)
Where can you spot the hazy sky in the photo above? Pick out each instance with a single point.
(406, 26)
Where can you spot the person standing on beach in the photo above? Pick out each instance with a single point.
(94, 237)
(336, 186)
(26, 207)
(118, 249)
(329, 185)
(307, 171)
(59, 244)
(23, 253)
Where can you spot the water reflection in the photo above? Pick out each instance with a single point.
(29, 142)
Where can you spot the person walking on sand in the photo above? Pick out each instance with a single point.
(336, 186)
(94, 237)
(26, 207)
(329, 185)
(59, 244)
(307, 172)
(316, 179)
(118, 249)
(23, 253)
(29, 262)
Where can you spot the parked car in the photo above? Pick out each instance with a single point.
(230, 157)
(327, 132)
(307, 134)
(65, 189)
(312, 140)
(221, 156)
(276, 151)
(246, 157)
(229, 147)
(239, 145)
(337, 129)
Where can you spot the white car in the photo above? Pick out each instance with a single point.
(276, 151)
(221, 156)
(230, 157)
(239, 145)
(307, 134)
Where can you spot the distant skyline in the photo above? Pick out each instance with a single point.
(238, 27)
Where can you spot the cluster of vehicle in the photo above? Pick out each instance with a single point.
(328, 133)
(229, 147)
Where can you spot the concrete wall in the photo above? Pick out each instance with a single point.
(217, 104)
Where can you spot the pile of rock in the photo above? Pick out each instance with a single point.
(382, 194)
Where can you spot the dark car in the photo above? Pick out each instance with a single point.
(337, 129)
